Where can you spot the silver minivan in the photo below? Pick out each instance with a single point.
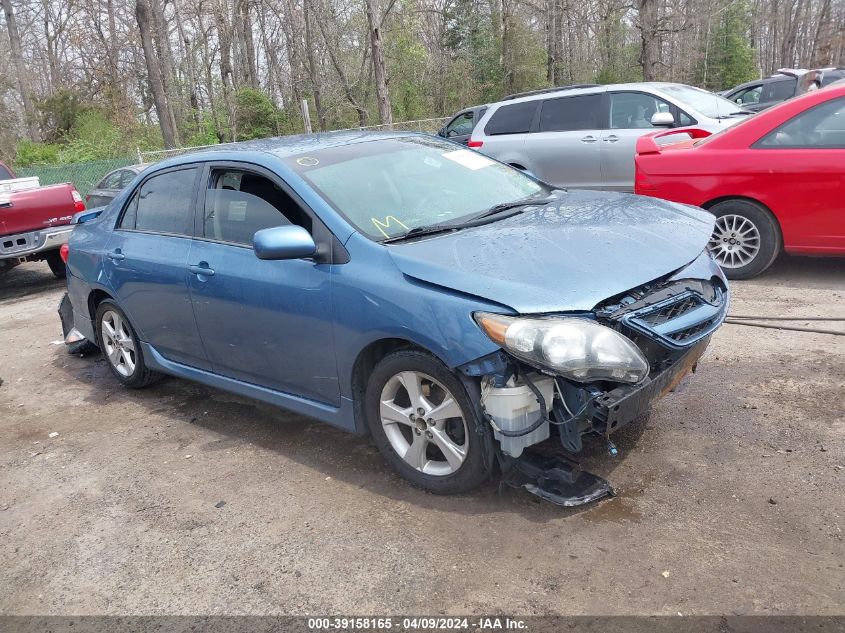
(585, 137)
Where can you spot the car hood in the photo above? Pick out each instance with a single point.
(569, 255)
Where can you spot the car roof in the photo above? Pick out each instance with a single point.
(285, 146)
(552, 93)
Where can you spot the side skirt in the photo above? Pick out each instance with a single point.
(342, 417)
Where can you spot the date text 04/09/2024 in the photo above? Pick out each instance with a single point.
(416, 623)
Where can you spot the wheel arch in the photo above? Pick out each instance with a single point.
(95, 298)
(365, 362)
(712, 203)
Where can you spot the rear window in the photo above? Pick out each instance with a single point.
(5, 174)
(512, 119)
(581, 112)
(163, 204)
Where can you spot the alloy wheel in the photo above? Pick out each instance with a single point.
(735, 241)
(424, 423)
(118, 344)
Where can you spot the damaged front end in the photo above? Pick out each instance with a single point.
(560, 377)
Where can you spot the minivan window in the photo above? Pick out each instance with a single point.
(163, 204)
(633, 110)
(5, 174)
(512, 119)
(580, 112)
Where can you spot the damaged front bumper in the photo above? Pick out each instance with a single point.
(559, 479)
(670, 322)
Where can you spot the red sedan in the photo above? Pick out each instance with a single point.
(775, 181)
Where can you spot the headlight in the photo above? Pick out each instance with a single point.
(576, 348)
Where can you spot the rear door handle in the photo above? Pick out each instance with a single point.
(201, 269)
(589, 139)
(611, 139)
(116, 256)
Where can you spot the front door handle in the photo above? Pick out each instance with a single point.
(589, 139)
(201, 269)
(116, 255)
(611, 139)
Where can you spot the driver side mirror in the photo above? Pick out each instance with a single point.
(662, 119)
(283, 242)
(442, 132)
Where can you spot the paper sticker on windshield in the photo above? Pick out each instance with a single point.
(307, 161)
(468, 159)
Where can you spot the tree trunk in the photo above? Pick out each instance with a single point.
(165, 116)
(21, 72)
(385, 108)
(316, 87)
(648, 24)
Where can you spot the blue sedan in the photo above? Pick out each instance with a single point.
(464, 314)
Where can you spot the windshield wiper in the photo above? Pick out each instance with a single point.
(507, 206)
(737, 113)
(496, 209)
(419, 231)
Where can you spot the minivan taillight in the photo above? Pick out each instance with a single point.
(64, 251)
(78, 204)
(474, 143)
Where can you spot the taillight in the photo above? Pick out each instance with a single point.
(78, 204)
(64, 251)
(473, 143)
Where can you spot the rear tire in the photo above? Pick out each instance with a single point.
(746, 239)
(121, 348)
(57, 266)
(439, 450)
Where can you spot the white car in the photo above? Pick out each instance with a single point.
(584, 137)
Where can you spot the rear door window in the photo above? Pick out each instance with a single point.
(163, 204)
(778, 90)
(512, 119)
(580, 112)
(5, 174)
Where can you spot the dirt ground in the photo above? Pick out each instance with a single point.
(185, 500)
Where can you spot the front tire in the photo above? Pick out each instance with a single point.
(422, 420)
(121, 347)
(746, 239)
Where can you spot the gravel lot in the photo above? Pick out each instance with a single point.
(186, 500)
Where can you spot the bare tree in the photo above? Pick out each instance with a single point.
(165, 115)
(20, 71)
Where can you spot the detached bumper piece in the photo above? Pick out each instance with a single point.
(75, 341)
(556, 480)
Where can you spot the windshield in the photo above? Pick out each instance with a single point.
(708, 104)
(387, 187)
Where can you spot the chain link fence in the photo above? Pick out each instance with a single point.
(83, 175)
